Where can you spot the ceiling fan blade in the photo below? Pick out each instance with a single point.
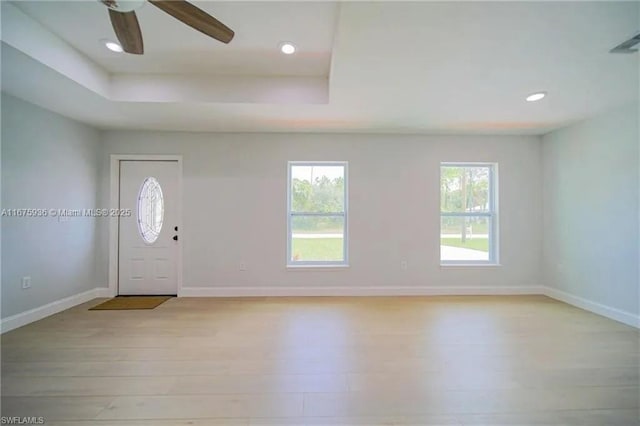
(195, 18)
(127, 29)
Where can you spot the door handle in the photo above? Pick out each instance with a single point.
(175, 238)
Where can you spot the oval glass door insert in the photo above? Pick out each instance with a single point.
(150, 210)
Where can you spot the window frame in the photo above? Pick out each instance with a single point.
(290, 214)
(492, 215)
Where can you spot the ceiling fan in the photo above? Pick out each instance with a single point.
(125, 22)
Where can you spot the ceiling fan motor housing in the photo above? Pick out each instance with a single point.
(123, 5)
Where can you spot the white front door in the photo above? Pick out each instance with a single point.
(148, 238)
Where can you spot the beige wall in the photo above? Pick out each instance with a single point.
(48, 161)
(591, 209)
(235, 207)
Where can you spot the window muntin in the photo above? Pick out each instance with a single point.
(317, 214)
(468, 213)
(150, 210)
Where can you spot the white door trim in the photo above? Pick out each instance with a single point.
(114, 202)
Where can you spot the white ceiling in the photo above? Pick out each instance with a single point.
(171, 47)
(417, 67)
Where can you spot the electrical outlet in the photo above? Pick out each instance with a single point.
(26, 283)
(243, 266)
(404, 265)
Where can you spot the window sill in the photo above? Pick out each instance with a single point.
(470, 265)
(321, 268)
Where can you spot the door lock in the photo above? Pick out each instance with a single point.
(175, 238)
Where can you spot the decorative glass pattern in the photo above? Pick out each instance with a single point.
(150, 210)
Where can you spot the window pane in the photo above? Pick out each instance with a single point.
(317, 238)
(317, 189)
(464, 238)
(464, 189)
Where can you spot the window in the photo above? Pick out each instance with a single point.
(150, 210)
(468, 214)
(317, 214)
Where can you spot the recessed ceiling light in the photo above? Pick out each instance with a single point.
(113, 46)
(536, 96)
(287, 48)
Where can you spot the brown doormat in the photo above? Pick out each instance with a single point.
(131, 302)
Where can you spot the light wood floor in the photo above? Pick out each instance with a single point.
(512, 360)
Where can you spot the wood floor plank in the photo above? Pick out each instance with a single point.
(259, 383)
(203, 406)
(359, 421)
(86, 386)
(380, 402)
(155, 422)
(620, 417)
(55, 408)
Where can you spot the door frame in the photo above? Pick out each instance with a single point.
(114, 203)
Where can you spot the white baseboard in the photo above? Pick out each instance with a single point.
(103, 292)
(238, 291)
(32, 315)
(597, 308)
